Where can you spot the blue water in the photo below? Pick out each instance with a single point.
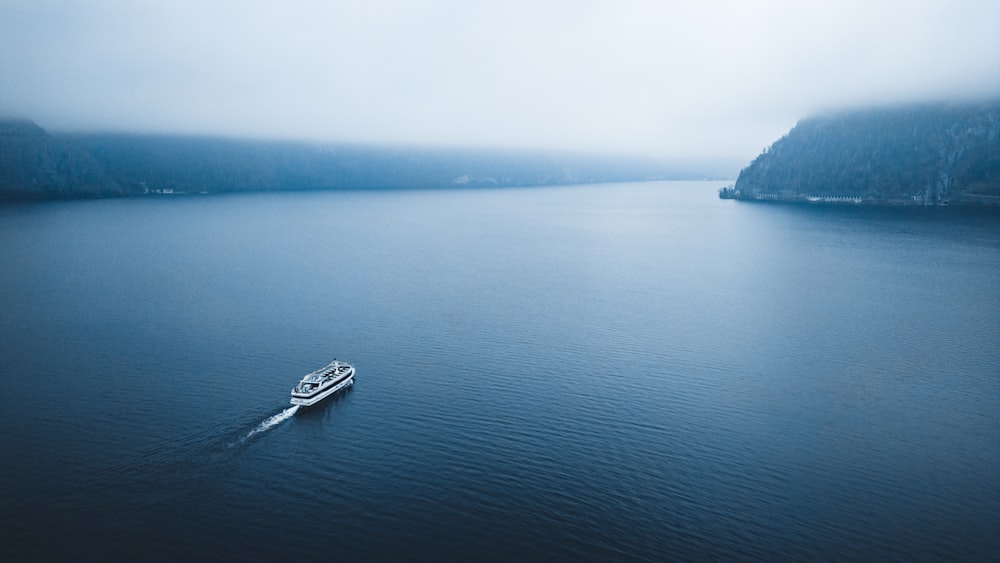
(634, 371)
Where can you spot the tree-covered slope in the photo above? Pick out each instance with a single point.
(916, 155)
(195, 164)
(34, 163)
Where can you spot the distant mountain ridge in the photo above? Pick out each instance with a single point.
(930, 155)
(36, 164)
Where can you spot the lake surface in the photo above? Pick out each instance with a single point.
(611, 372)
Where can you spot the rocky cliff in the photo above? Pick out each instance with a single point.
(934, 154)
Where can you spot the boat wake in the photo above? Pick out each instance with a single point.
(272, 422)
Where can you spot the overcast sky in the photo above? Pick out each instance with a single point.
(662, 78)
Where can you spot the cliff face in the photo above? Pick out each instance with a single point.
(34, 164)
(918, 155)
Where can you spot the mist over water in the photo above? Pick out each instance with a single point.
(637, 371)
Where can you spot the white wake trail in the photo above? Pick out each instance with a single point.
(273, 421)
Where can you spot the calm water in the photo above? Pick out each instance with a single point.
(637, 371)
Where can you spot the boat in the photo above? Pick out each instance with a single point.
(322, 383)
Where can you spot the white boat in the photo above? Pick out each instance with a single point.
(322, 383)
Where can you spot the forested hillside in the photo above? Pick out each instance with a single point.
(34, 164)
(917, 155)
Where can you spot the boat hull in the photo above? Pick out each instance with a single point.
(308, 401)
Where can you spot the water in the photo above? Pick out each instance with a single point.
(271, 422)
(637, 371)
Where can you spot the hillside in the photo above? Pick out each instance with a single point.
(34, 163)
(941, 154)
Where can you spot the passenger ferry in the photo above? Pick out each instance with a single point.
(322, 383)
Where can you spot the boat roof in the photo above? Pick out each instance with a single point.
(317, 376)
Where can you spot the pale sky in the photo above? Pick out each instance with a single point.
(710, 78)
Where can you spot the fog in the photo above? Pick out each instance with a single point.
(671, 79)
